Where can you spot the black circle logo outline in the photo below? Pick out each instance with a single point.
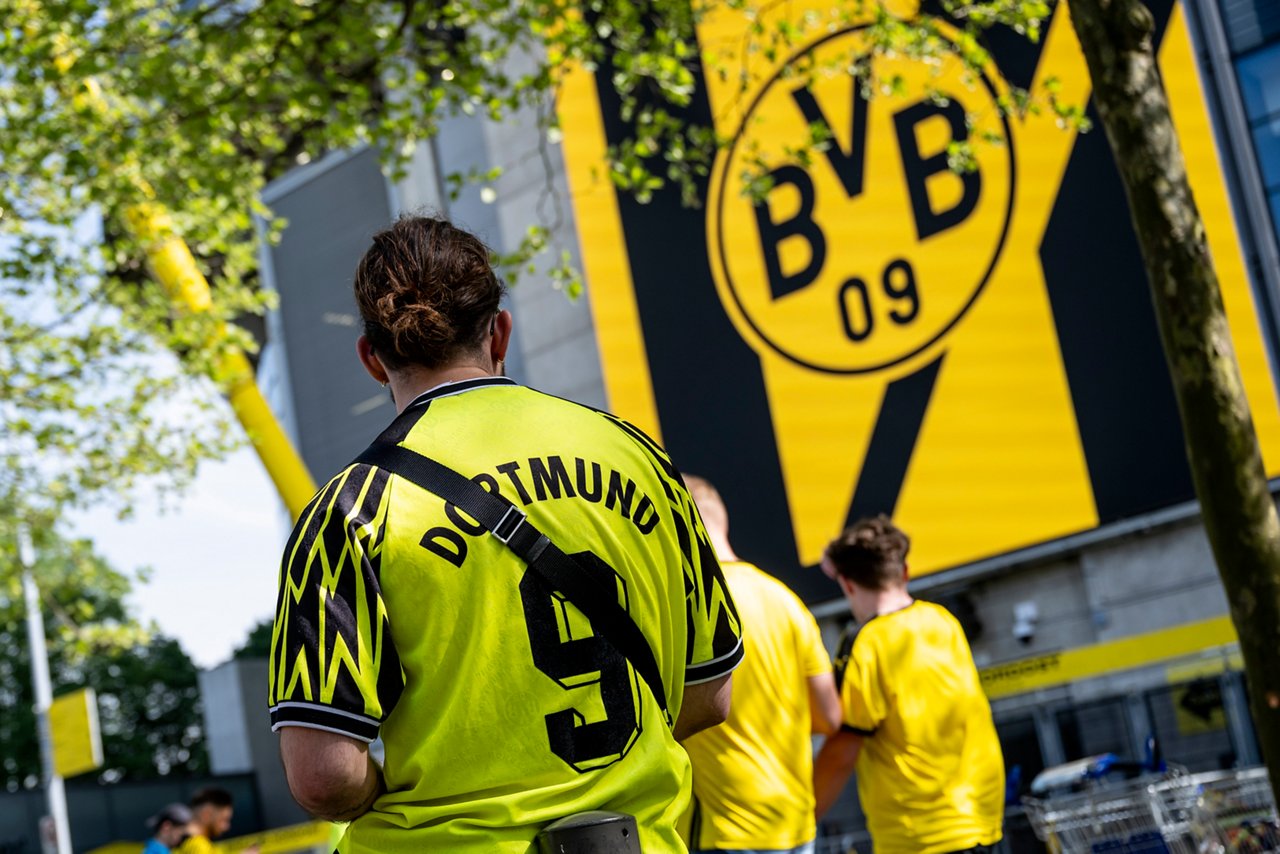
(977, 291)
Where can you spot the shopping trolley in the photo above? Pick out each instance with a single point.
(1151, 812)
(1236, 810)
(1158, 812)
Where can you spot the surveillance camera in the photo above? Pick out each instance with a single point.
(1024, 631)
(1025, 617)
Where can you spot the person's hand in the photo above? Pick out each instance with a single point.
(252, 849)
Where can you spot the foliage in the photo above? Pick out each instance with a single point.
(105, 104)
(147, 694)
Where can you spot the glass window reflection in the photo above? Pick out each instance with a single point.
(1266, 140)
(1275, 213)
(1259, 73)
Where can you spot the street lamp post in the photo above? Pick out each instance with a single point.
(54, 790)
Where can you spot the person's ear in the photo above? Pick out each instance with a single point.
(502, 325)
(845, 585)
(372, 364)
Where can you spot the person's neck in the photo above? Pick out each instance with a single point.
(868, 604)
(406, 385)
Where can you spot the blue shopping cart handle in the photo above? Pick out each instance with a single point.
(1075, 773)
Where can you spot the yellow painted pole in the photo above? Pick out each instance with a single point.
(175, 268)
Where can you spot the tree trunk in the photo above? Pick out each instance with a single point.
(1235, 502)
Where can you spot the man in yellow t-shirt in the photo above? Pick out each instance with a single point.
(916, 724)
(753, 774)
(211, 810)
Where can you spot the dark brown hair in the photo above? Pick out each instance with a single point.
(215, 795)
(426, 292)
(872, 553)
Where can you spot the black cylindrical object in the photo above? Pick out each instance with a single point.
(594, 832)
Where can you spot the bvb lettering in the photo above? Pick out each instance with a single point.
(871, 252)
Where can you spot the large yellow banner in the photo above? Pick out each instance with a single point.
(973, 352)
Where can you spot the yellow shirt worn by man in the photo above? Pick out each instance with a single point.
(916, 725)
(930, 776)
(211, 809)
(196, 844)
(753, 774)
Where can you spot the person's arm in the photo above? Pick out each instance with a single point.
(824, 704)
(715, 630)
(330, 775)
(705, 705)
(334, 672)
(833, 767)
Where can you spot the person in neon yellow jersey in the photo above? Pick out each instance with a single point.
(916, 724)
(212, 809)
(753, 774)
(500, 707)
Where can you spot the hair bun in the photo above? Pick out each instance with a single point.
(426, 291)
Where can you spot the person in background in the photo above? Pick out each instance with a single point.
(212, 808)
(916, 724)
(753, 774)
(169, 828)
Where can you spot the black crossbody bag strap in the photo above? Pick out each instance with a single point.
(596, 600)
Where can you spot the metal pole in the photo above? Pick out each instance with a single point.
(54, 791)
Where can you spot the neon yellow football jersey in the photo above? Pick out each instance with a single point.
(499, 708)
(930, 775)
(753, 774)
(196, 844)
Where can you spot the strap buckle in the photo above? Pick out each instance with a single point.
(509, 524)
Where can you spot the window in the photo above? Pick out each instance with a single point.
(1094, 728)
(1021, 748)
(1259, 75)
(1191, 724)
(1258, 71)
(1266, 141)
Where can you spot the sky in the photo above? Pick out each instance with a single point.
(214, 558)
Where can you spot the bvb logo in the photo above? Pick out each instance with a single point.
(876, 249)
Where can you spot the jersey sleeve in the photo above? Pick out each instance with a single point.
(333, 664)
(715, 630)
(862, 694)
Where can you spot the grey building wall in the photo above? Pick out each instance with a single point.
(333, 207)
(100, 815)
(239, 736)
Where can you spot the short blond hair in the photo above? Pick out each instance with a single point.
(715, 516)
